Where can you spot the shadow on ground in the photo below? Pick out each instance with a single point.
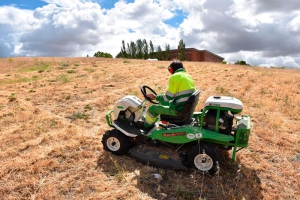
(234, 181)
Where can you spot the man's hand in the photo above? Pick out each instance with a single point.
(151, 96)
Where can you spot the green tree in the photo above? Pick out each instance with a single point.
(167, 52)
(128, 51)
(120, 55)
(131, 50)
(181, 55)
(103, 55)
(123, 50)
(145, 49)
(151, 50)
(139, 49)
(242, 62)
(159, 53)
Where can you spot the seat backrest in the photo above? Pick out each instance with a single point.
(184, 116)
(191, 104)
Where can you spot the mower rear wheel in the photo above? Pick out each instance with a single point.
(204, 157)
(115, 142)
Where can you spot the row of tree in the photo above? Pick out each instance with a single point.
(142, 50)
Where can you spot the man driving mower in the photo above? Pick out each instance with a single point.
(181, 87)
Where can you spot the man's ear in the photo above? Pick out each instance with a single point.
(170, 69)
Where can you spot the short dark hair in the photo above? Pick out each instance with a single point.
(176, 64)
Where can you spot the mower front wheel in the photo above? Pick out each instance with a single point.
(115, 142)
(204, 157)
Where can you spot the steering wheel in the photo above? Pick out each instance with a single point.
(143, 90)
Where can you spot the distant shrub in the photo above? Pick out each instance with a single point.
(103, 54)
(242, 62)
(224, 62)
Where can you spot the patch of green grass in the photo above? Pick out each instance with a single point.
(39, 67)
(64, 65)
(120, 171)
(88, 107)
(223, 91)
(89, 70)
(22, 79)
(220, 89)
(12, 97)
(263, 91)
(161, 67)
(256, 105)
(53, 123)
(71, 71)
(79, 115)
(63, 78)
(184, 194)
(126, 61)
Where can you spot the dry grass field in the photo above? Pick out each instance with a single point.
(52, 118)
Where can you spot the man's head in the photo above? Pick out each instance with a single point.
(174, 66)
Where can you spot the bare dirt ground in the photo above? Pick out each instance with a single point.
(52, 118)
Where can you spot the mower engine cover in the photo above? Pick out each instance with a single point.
(131, 105)
(225, 102)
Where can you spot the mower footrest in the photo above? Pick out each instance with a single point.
(124, 125)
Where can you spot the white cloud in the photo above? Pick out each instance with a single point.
(294, 24)
(64, 3)
(256, 59)
(260, 32)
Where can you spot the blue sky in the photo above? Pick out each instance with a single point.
(263, 33)
(23, 4)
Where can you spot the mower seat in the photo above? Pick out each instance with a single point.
(185, 116)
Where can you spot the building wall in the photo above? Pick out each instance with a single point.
(196, 55)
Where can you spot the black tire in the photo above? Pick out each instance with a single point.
(204, 157)
(115, 142)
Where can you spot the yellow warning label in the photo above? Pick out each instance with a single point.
(164, 156)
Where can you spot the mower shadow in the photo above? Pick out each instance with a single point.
(234, 181)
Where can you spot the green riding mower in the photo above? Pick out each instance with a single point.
(190, 140)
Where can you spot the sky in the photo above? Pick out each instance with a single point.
(261, 32)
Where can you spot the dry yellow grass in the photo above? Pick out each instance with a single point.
(52, 118)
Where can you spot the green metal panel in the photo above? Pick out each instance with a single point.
(178, 135)
(242, 134)
(108, 118)
(188, 134)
